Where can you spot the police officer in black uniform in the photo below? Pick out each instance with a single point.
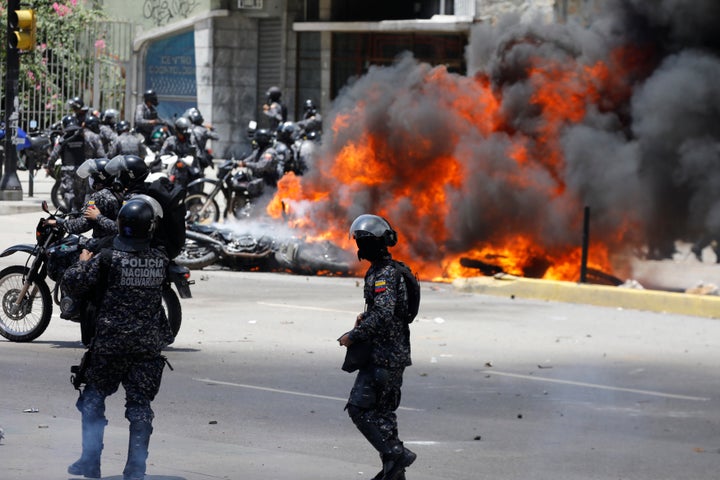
(100, 212)
(273, 109)
(146, 115)
(127, 143)
(376, 393)
(131, 331)
(75, 146)
(201, 133)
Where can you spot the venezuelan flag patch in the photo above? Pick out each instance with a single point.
(380, 286)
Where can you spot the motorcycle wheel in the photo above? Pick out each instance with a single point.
(241, 207)
(321, 257)
(35, 311)
(57, 199)
(173, 311)
(195, 256)
(194, 203)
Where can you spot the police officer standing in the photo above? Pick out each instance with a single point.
(75, 146)
(146, 115)
(131, 331)
(127, 143)
(273, 108)
(376, 393)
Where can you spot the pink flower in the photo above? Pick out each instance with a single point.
(74, 3)
(61, 10)
(31, 75)
(99, 44)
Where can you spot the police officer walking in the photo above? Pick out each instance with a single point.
(376, 393)
(131, 331)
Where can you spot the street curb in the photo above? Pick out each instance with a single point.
(569, 292)
(27, 205)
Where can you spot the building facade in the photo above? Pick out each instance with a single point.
(223, 55)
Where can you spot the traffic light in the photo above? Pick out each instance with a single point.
(23, 26)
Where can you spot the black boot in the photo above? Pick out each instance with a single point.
(394, 464)
(395, 456)
(137, 451)
(92, 444)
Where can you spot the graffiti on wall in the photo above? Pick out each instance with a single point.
(162, 12)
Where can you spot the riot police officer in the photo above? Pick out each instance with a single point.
(79, 109)
(127, 143)
(146, 115)
(201, 134)
(312, 120)
(376, 393)
(75, 146)
(183, 142)
(100, 212)
(273, 109)
(131, 331)
(263, 161)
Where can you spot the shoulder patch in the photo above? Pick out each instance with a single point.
(380, 286)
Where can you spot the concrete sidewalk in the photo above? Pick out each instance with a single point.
(40, 189)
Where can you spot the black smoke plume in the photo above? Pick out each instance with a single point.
(645, 156)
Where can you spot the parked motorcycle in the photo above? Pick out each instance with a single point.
(238, 188)
(161, 132)
(243, 250)
(27, 300)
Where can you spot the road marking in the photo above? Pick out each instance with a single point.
(305, 307)
(595, 385)
(286, 392)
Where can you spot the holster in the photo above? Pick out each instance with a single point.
(79, 372)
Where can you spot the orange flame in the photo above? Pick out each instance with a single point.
(420, 193)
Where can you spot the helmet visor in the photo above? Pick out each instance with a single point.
(366, 225)
(116, 165)
(87, 168)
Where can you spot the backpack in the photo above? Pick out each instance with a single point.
(413, 290)
(171, 197)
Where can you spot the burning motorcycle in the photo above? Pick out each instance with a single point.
(26, 300)
(243, 250)
(237, 186)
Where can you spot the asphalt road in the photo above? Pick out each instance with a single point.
(500, 388)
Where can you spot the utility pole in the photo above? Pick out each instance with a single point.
(20, 36)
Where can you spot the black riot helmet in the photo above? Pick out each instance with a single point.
(368, 225)
(92, 123)
(76, 103)
(95, 169)
(194, 115)
(373, 236)
(286, 133)
(130, 171)
(136, 222)
(70, 123)
(182, 126)
(122, 126)
(309, 108)
(273, 94)
(110, 117)
(262, 137)
(150, 97)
